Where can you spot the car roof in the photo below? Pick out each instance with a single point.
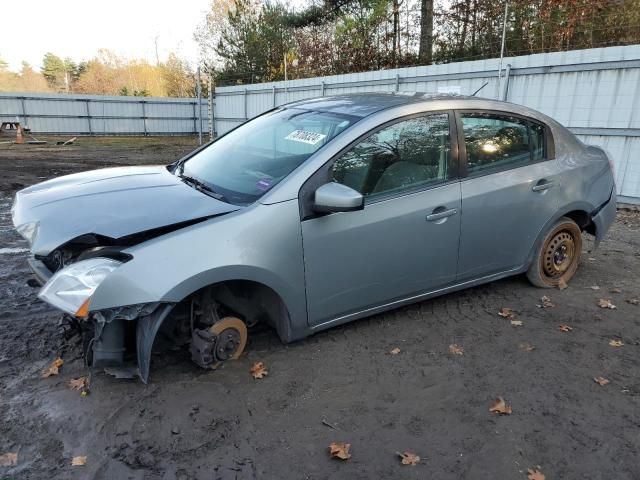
(365, 104)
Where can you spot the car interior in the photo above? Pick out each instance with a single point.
(492, 142)
(410, 153)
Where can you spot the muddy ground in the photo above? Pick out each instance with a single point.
(194, 424)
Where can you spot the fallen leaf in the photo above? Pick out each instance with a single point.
(516, 323)
(259, 370)
(615, 290)
(394, 351)
(594, 287)
(600, 380)
(409, 458)
(535, 474)
(456, 349)
(633, 301)
(53, 368)
(526, 347)
(616, 343)
(340, 450)
(592, 258)
(79, 461)
(546, 302)
(8, 459)
(606, 303)
(78, 383)
(564, 328)
(500, 406)
(562, 284)
(507, 313)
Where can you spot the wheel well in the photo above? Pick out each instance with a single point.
(252, 301)
(583, 219)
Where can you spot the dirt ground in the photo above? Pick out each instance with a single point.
(340, 385)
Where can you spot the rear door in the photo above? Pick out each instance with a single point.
(405, 240)
(510, 190)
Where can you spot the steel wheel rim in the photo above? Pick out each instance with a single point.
(559, 254)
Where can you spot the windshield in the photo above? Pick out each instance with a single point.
(244, 164)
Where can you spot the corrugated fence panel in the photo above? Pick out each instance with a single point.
(103, 115)
(596, 93)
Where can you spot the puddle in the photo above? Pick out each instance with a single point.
(12, 250)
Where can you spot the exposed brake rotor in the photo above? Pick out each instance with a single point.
(231, 338)
(224, 340)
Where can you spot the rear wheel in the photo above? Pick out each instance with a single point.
(557, 258)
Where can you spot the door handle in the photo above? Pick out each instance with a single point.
(542, 185)
(439, 214)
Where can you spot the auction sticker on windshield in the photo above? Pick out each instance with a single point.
(305, 137)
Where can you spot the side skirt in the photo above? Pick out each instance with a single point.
(415, 298)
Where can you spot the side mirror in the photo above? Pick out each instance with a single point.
(335, 197)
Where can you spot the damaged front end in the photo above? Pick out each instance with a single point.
(115, 332)
(112, 333)
(211, 330)
(120, 339)
(80, 229)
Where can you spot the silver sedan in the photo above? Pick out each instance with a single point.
(311, 215)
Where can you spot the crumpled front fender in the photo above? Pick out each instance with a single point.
(146, 331)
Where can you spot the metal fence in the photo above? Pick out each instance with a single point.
(102, 115)
(596, 93)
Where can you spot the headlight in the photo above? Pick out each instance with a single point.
(70, 289)
(29, 231)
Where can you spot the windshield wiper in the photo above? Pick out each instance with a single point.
(202, 187)
(197, 184)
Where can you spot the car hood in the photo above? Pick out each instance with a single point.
(113, 202)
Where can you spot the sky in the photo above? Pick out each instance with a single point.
(78, 28)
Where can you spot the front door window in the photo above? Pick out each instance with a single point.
(407, 155)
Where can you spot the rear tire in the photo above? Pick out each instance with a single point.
(558, 255)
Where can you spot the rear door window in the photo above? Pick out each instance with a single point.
(496, 142)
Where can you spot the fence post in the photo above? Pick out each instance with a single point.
(144, 117)
(199, 108)
(397, 82)
(505, 92)
(212, 116)
(274, 96)
(322, 86)
(86, 105)
(24, 112)
(245, 95)
(195, 118)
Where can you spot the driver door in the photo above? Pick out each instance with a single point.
(405, 241)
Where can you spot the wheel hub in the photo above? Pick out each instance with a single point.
(227, 343)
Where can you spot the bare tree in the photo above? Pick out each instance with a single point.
(425, 55)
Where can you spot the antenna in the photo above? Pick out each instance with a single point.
(474, 93)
